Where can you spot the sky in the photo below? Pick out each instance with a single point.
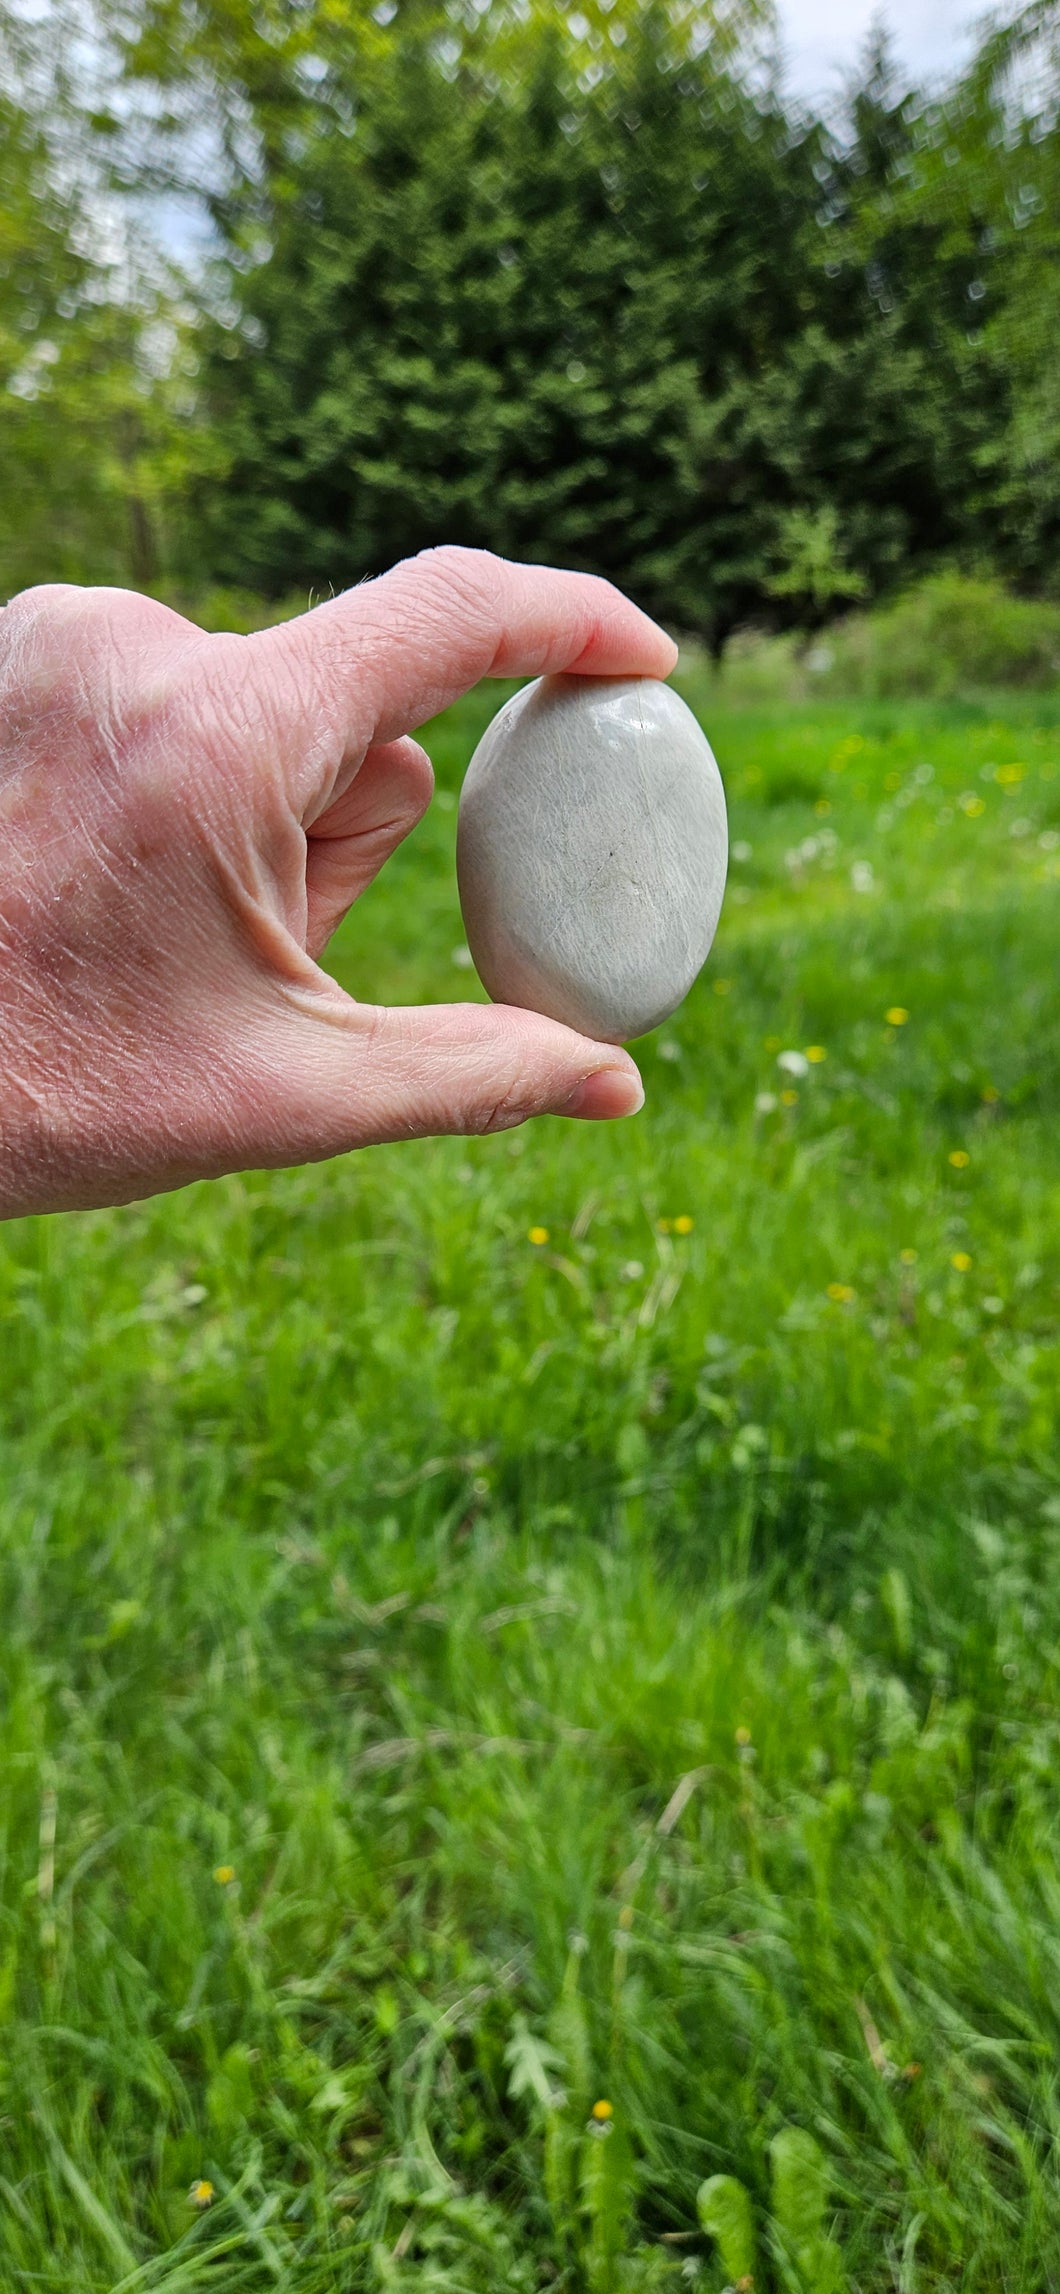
(822, 37)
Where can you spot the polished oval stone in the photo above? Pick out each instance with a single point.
(591, 852)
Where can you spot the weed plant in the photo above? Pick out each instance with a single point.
(532, 1665)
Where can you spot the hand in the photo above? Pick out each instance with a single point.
(184, 820)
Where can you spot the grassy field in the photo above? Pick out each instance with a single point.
(495, 1631)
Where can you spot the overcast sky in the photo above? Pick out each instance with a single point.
(822, 37)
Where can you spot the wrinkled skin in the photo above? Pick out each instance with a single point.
(184, 820)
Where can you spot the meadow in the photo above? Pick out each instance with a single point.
(532, 1665)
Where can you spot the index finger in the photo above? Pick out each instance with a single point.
(395, 651)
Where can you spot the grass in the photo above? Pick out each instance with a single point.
(453, 1680)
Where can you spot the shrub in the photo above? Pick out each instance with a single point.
(947, 633)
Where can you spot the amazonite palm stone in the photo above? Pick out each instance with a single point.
(592, 847)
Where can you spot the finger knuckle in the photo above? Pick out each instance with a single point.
(97, 710)
(35, 631)
(80, 654)
(47, 601)
(458, 558)
(470, 575)
(501, 1111)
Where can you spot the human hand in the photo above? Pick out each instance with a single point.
(184, 820)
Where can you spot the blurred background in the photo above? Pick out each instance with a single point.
(756, 315)
(530, 1666)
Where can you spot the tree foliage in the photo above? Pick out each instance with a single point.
(586, 289)
(90, 372)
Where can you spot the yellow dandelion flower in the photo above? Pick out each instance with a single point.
(909, 1258)
(1010, 776)
(960, 1158)
(972, 806)
(897, 1016)
(224, 1874)
(603, 2111)
(683, 1225)
(841, 1293)
(201, 2192)
(961, 1260)
(537, 1236)
(743, 1735)
(789, 1098)
(815, 1053)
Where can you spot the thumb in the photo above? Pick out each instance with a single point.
(345, 1075)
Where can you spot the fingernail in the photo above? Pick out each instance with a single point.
(611, 1091)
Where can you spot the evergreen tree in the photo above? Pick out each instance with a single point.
(574, 288)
